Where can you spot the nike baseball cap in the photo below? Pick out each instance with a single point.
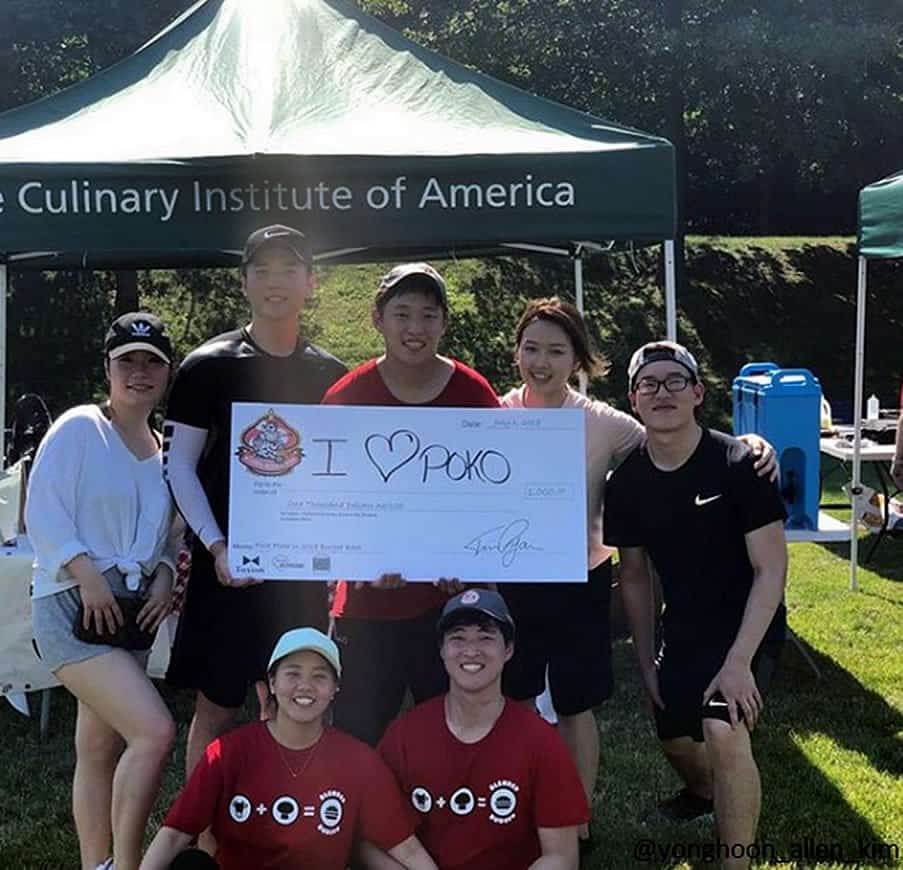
(411, 277)
(478, 601)
(280, 236)
(299, 639)
(138, 330)
(661, 350)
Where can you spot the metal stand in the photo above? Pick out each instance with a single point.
(45, 714)
(792, 636)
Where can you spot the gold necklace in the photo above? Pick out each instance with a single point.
(310, 755)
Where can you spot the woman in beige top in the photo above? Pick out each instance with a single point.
(564, 627)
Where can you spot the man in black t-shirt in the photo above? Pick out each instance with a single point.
(229, 625)
(690, 499)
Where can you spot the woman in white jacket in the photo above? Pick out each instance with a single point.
(99, 517)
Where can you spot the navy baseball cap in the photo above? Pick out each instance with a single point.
(483, 601)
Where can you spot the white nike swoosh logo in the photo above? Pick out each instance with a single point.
(717, 703)
(701, 501)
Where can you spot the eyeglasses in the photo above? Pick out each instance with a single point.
(675, 383)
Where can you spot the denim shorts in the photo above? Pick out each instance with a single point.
(52, 617)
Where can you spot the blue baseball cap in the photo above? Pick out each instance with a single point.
(299, 639)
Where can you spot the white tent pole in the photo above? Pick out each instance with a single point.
(3, 289)
(578, 296)
(670, 292)
(857, 417)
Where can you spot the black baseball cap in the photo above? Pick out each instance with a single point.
(661, 350)
(277, 235)
(422, 273)
(483, 601)
(138, 330)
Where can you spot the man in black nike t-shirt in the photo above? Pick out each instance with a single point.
(690, 499)
(228, 625)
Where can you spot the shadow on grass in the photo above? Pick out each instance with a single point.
(892, 601)
(803, 807)
(840, 707)
(837, 708)
(887, 560)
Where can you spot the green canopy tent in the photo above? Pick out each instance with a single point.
(879, 236)
(312, 113)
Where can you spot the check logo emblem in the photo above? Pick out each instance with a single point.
(701, 501)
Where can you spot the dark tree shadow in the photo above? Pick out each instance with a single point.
(886, 561)
(799, 708)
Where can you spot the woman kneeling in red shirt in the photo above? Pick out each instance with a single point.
(291, 792)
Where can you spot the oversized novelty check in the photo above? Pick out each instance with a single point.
(327, 492)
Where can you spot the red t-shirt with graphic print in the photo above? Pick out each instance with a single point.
(480, 804)
(364, 385)
(265, 818)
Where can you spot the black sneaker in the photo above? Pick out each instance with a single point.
(685, 806)
(587, 846)
(588, 843)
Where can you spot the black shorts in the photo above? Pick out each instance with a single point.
(565, 627)
(225, 636)
(381, 659)
(683, 677)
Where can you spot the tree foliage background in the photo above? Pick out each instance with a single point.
(787, 107)
(781, 110)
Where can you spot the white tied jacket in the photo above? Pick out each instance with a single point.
(88, 493)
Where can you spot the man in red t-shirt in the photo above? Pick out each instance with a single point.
(387, 629)
(492, 782)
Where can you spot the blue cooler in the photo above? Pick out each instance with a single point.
(784, 407)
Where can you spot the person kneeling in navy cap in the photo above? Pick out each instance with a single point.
(492, 783)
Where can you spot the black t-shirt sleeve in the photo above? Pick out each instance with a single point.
(620, 525)
(335, 371)
(757, 499)
(193, 394)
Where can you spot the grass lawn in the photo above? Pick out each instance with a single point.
(830, 750)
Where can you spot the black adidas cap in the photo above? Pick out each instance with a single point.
(138, 330)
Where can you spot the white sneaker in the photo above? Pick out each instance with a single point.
(107, 865)
(545, 708)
